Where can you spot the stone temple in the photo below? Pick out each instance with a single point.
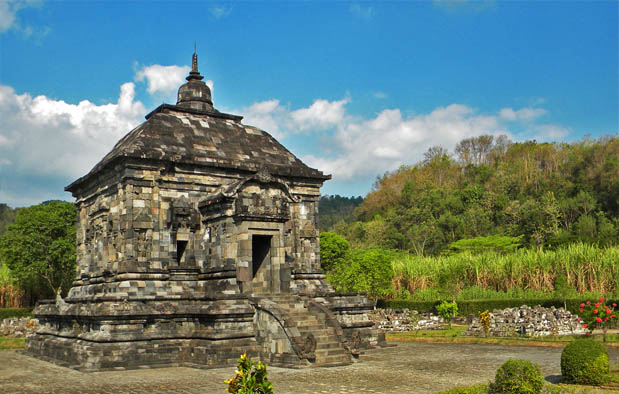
(197, 241)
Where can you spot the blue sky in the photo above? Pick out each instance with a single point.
(352, 88)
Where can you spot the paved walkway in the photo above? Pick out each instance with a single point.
(409, 367)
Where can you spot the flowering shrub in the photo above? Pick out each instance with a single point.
(599, 315)
(250, 378)
(484, 319)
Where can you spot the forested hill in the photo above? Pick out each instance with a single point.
(547, 194)
(334, 209)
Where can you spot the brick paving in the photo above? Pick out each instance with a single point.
(406, 368)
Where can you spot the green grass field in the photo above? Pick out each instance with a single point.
(7, 343)
(455, 335)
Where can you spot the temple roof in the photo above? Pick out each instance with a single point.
(193, 132)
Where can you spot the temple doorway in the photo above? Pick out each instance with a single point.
(261, 263)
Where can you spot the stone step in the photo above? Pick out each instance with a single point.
(332, 360)
(327, 345)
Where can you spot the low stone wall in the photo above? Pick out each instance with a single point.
(530, 321)
(405, 320)
(18, 327)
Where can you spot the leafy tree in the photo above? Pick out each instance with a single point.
(39, 248)
(334, 250)
(369, 271)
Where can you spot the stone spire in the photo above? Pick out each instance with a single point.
(195, 94)
(194, 74)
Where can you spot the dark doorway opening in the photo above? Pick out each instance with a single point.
(180, 250)
(260, 246)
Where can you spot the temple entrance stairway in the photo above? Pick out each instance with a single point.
(298, 326)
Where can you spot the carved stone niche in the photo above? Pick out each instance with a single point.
(183, 215)
(259, 197)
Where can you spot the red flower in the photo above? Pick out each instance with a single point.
(597, 304)
(606, 319)
(601, 299)
(582, 305)
(585, 325)
(615, 304)
(588, 333)
(608, 312)
(598, 320)
(588, 302)
(595, 311)
(612, 316)
(581, 310)
(577, 318)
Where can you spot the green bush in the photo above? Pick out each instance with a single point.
(518, 377)
(15, 312)
(447, 310)
(476, 389)
(585, 362)
(368, 271)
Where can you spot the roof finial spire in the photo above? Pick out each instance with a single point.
(194, 60)
(194, 74)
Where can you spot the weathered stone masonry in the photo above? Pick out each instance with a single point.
(197, 240)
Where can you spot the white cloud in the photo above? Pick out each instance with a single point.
(363, 12)
(279, 121)
(42, 138)
(353, 149)
(322, 114)
(9, 19)
(46, 137)
(162, 79)
(373, 146)
(380, 95)
(219, 11)
(524, 114)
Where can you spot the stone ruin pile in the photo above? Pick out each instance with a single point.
(18, 327)
(405, 320)
(530, 321)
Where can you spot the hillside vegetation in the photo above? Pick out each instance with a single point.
(547, 194)
(495, 219)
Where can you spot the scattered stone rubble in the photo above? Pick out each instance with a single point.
(525, 320)
(18, 327)
(405, 320)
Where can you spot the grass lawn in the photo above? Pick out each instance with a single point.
(11, 343)
(454, 335)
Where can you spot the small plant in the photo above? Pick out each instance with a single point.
(447, 310)
(518, 377)
(598, 315)
(562, 289)
(484, 320)
(250, 378)
(585, 362)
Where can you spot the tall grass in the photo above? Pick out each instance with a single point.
(10, 295)
(525, 273)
